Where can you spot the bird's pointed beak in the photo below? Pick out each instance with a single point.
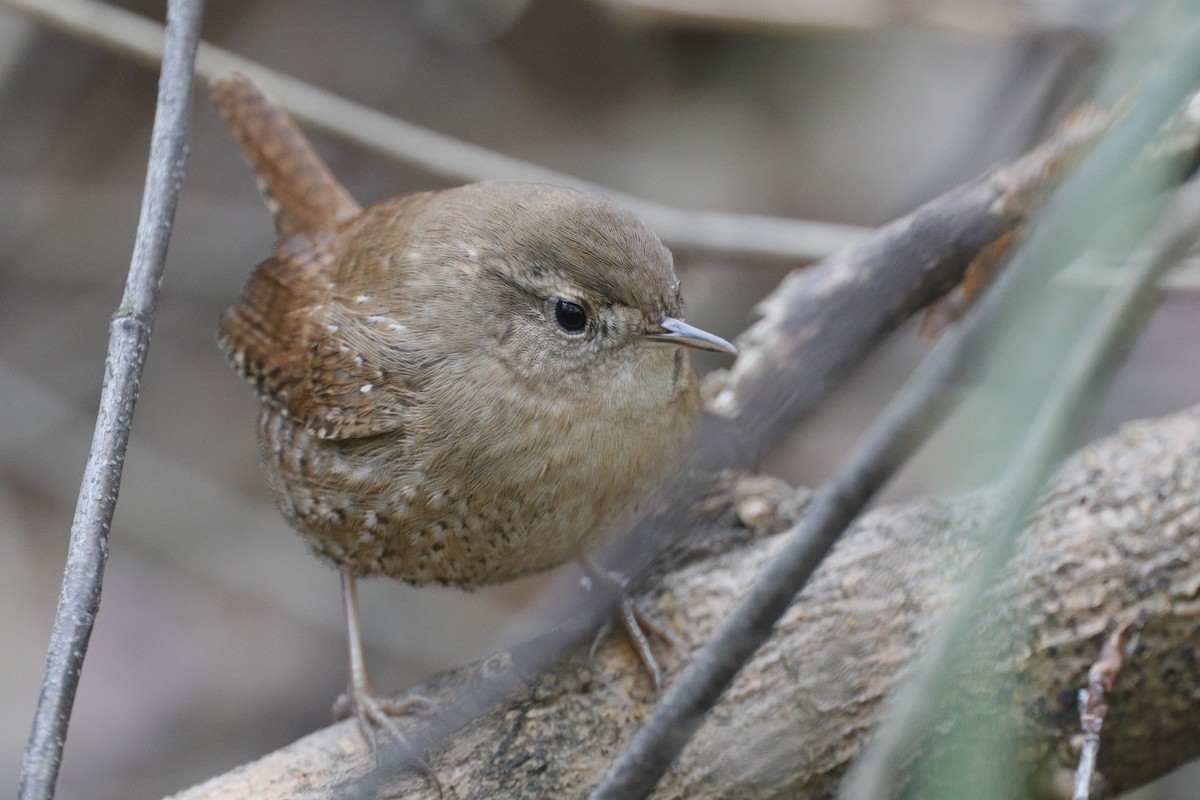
(676, 332)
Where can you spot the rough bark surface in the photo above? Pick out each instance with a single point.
(1116, 538)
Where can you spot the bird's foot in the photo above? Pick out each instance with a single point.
(637, 625)
(366, 706)
(376, 715)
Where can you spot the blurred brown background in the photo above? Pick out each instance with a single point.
(219, 637)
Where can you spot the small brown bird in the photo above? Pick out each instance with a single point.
(458, 387)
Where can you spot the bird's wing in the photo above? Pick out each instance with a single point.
(304, 350)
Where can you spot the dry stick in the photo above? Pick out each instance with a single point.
(697, 231)
(1092, 709)
(129, 338)
(906, 422)
(904, 425)
(823, 320)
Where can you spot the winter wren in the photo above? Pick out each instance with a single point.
(461, 386)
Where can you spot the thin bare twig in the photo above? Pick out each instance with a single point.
(129, 339)
(1092, 709)
(697, 231)
(904, 424)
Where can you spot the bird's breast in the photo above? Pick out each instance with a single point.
(487, 483)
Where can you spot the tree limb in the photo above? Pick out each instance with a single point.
(1116, 538)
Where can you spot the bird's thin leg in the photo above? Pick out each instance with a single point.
(360, 681)
(362, 691)
(373, 713)
(635, 623)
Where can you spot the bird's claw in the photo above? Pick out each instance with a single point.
(635, 623)
(376, 715)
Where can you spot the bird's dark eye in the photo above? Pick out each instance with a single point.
(570, 316)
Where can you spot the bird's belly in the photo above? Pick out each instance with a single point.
(469, 517)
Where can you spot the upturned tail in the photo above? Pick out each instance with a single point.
(300, 191)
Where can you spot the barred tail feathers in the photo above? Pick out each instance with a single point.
(300, 191)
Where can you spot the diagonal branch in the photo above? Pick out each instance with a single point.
(815, 328)
(698, 231)
(129, 339)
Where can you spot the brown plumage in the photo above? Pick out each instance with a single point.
(461, 386)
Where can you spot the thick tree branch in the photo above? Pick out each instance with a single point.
(823, 321)
(1116, 538)
(129, 339)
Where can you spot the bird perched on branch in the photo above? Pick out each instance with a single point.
(460, 386)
